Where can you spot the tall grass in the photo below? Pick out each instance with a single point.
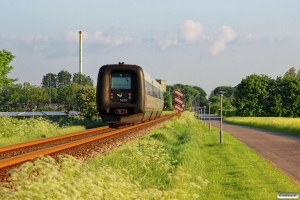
(180, 160)
(13, 130)
(278, 124)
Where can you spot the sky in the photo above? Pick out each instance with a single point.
(192, 42)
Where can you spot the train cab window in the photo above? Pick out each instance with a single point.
(120, 81)
(121, 88)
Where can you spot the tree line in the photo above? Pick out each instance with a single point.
(60, 91)
(190, 92)
(255, 95)
(261, 95)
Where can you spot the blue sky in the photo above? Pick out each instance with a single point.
(193, 42)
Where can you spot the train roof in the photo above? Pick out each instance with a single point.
(147, 76)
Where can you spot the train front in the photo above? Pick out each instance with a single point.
(120, 90)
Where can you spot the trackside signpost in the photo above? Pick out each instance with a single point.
(178, 107)
(179, 102)
(178, 93)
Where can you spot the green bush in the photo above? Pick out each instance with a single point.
(228, 113)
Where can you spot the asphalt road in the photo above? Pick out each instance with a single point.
(282, 150)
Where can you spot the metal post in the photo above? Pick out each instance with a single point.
(201, 113)
(197, 105)
(221, 132)
(209, 124)
(204, 115)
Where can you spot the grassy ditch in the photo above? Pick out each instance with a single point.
(278, 124)
(180, 160)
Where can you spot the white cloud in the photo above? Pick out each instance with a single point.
(98, 38)
(190, 30)
(171, 40)
(227, 34)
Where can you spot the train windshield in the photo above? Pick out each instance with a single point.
(120, 81)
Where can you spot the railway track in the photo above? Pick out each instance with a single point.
(81, 145)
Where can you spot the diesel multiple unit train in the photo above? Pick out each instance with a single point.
(126, 94)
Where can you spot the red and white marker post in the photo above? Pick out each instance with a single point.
(179, 102)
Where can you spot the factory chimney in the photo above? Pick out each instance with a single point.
(80, 52)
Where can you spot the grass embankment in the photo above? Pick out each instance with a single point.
(13, 130)
(180, 160)
(278, 124)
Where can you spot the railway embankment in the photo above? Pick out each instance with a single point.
(180, 159)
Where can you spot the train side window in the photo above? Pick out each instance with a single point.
(153, 91)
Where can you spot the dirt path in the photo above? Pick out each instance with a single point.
(281, 149)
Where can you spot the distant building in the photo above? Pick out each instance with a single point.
(163, 84)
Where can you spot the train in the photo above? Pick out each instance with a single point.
(126, 94)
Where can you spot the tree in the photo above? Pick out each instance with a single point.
(63, 78)
(11, 97)
(49, 80)
(228, 89)
(215, 105)
(251, 95)
(67, 96)
(34, 95)
(168, 102)
(203, 100)
(82, 79)
(86, 102)
(5, 58)
(189, 93)
(288, 96)
(291, 73)
(15, 95)
(284, 95)
(53, 95)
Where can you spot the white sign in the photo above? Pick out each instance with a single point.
(178, 100)
(179, 93)
(178, 107)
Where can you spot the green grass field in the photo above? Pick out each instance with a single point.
(180, 160)
(279, 124)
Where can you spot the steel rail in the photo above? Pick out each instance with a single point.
(25, 157)
(49, 139)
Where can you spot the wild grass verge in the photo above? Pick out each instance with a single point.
(180, 160)
(13, 130)
(278, 124)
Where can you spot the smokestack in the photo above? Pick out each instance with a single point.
(80, 52)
